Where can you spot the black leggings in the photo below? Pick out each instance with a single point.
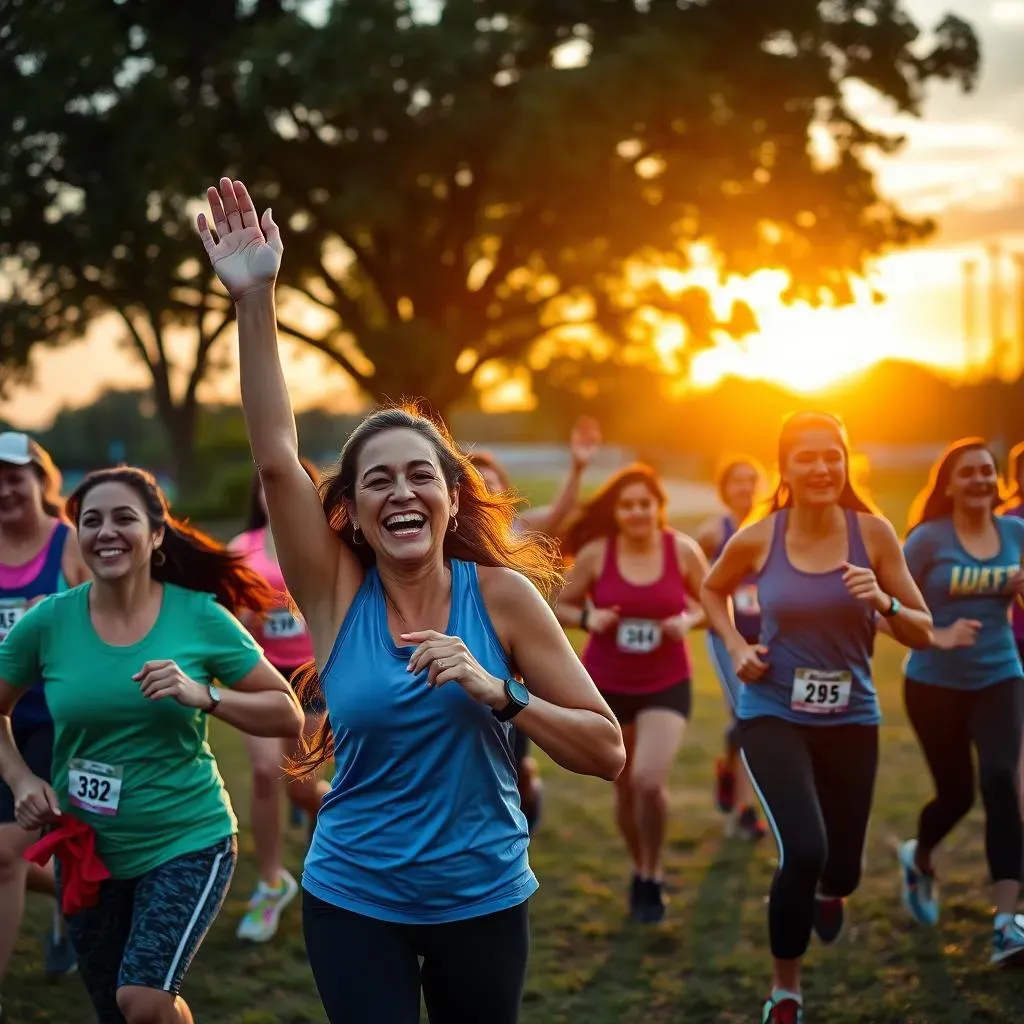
(948, 722)
(367, 971)
(816, 785)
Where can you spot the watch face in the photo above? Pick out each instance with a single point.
(518, 692)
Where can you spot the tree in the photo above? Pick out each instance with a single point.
(114, 107)
(451, 195)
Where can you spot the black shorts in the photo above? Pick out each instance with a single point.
(35, 744)
(626, 706)
(312, 704)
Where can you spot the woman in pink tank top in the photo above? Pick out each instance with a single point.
(632, 588)
(286, 642)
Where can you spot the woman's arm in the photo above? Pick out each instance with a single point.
(709, 536)
(260, 703)
(35, 802)
(912, 624)
(322, 574)
(742, 555)
(566, 716)
(694, 567)
(572, 599)
(549, 518)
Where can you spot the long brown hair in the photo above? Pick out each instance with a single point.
(1015, 478)
(596, 517)
(486, 533)
(932, 501)
(191, 558)
(792, 427)
(481, 459)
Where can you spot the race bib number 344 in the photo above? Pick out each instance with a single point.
(94, 786)
(638, 636)
(818, 692)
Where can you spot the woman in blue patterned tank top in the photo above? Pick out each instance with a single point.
(425, 612)
(827, 563)
(964, 691)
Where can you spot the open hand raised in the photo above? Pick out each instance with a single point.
(246, 253)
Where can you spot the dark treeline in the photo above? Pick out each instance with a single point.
(893, 404)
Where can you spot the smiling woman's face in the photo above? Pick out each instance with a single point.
(402, 505)
(974, 481)
(114, 532)
(815, 469)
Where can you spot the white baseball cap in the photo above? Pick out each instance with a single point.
(18, 449)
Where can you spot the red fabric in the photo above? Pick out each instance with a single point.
(73, 842)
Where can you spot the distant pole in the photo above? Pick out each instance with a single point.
(995, 309)
(970, 310)
(1018, 348)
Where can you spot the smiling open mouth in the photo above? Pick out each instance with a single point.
(108, 554)
(405, 524)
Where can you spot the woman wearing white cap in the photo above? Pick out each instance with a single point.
(38, 556)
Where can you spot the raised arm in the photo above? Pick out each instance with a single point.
(583, 444)
(322, 574)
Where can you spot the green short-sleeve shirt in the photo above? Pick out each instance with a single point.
(171, 798)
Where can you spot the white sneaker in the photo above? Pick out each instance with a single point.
(265, 906)
(918, 890)
(1008, 942)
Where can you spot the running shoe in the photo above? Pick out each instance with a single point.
(829, 917)
(919, 891)
(637, 894)
(58, 955)
(265, 906)
(725, 786)
(1008, 943)
(785, 1011)
(296, 816)
(653, 907)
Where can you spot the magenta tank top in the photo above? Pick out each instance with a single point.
(633, 656)
(283, 633)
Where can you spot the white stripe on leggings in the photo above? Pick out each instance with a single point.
(767, 809)
(183, 944)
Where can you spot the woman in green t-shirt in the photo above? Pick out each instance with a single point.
(128, 664)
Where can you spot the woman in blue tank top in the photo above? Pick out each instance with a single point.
(826, 564)
(38, 556)
(740, 484)
(964, 690)
(424, 610)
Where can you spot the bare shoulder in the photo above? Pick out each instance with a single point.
(503, 588)
(757, 535)
(710, 533)
(879, 534)
(686, 546)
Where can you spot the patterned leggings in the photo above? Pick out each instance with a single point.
(145, 931)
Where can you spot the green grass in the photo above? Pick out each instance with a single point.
(707, 963)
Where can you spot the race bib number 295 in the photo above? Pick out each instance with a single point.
(819, 692)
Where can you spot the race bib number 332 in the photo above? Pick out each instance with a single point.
(94, 786)
(819, 692)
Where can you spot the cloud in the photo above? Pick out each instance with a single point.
(1007, 12)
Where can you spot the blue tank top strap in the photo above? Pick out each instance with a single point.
(858, 549)
(55, 554)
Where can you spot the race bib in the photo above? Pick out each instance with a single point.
(11, 611)
(744, 600)
(283, 625)
(818, 692)
(94, 786)
(638, 636)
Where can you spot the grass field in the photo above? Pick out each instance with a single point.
(707, 963)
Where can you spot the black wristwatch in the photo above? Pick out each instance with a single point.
(518, 697)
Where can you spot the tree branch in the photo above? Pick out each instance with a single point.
(348, 309)
(321, 346)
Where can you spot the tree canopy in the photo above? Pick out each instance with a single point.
(456, 181)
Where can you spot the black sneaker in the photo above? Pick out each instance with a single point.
(829, 918)
(637, 896)
(654, 902)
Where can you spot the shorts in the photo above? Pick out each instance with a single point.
(35, 744)
(626, 706)
(145, 931)
(314, 704)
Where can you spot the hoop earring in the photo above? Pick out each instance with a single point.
(453, 525)
(159, 558)
(356, 534)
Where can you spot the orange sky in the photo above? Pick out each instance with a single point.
(967, 155)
